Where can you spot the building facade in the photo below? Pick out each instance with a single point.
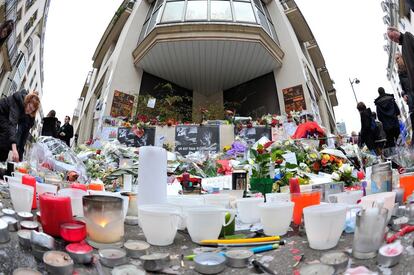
(258, 56)
(396, 14)
(21, 61)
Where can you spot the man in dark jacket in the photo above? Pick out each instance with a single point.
(66, 131)
(388, 112)
(13, 109)
(406, 40)
(367, 134)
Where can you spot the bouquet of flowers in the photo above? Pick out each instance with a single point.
(344, 174)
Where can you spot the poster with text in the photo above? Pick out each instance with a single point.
(193, 138)
(253, 134)
(294, 99)
(122, 104)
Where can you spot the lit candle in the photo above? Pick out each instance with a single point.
(74, 231)
(58, 262)
(4, 232)
(31, 181)
(55, 211)
(81, 253)
(112, 256)
(104, 218)
(29, 225)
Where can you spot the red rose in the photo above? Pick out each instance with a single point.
(324, 162)
(260, 151)
(274, 122)
(249, 125)
(279, 161)
(316, 166)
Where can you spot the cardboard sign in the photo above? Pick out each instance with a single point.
(122, 104)
(294, 99)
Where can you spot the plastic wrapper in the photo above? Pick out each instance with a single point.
(53, 154)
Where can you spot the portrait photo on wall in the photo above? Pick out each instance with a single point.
(294, 99)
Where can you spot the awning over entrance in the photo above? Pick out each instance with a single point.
(208, 57)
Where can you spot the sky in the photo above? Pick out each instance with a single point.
(73, 31)
(349, 33)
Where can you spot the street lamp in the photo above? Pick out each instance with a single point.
(356, 81)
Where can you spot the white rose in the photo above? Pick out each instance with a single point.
(335, 176)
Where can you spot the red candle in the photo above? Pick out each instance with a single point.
(294, 185)
(54, 211)
(78, 185)
(73, 232)
(31, 181)
(79, 248)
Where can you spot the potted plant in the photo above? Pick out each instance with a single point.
(260, 179)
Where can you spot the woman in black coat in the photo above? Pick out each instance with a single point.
(367, 126)
(49, 128)
(14, 109)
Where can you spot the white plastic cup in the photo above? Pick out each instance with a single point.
(248, 209)
(205, 223)
(13, 179)
(75, 196)
(277, 197)
(222, 200)
(324, 224)
(159, 222)
(349, 197)
(183, 203)
(21, 196)
(276, 217)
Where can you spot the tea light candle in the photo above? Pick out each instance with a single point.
(136, 249)
(42, 240)
(55, 211)
(73, 232)
(25, 216)
(26, 271)
(112, 256)
(58, 262)
(24, 238)
(8, 212)
(31, 181)
(337, 259)
(81, 253)
(11, 223)
(29, 225)
(39, 251)
(4, 232)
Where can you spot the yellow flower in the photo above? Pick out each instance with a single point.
(226, 148)
(326, 157)
(340, 163)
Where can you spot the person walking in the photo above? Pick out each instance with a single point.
(66, 131)
(367, 133)
(388, 112)
(49, 128)
(13, 109)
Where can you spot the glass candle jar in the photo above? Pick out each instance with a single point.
(104, 218)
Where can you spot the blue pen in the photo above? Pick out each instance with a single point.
(264, 248)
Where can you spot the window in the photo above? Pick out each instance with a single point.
(29, 3)
(173, 11)
(196, 10)
(19, 15)
(244, 12)
(220, 10)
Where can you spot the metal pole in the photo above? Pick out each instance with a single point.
(352, 86)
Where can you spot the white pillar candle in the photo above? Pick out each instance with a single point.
(152, 175)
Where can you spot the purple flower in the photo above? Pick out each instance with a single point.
(236, 148)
